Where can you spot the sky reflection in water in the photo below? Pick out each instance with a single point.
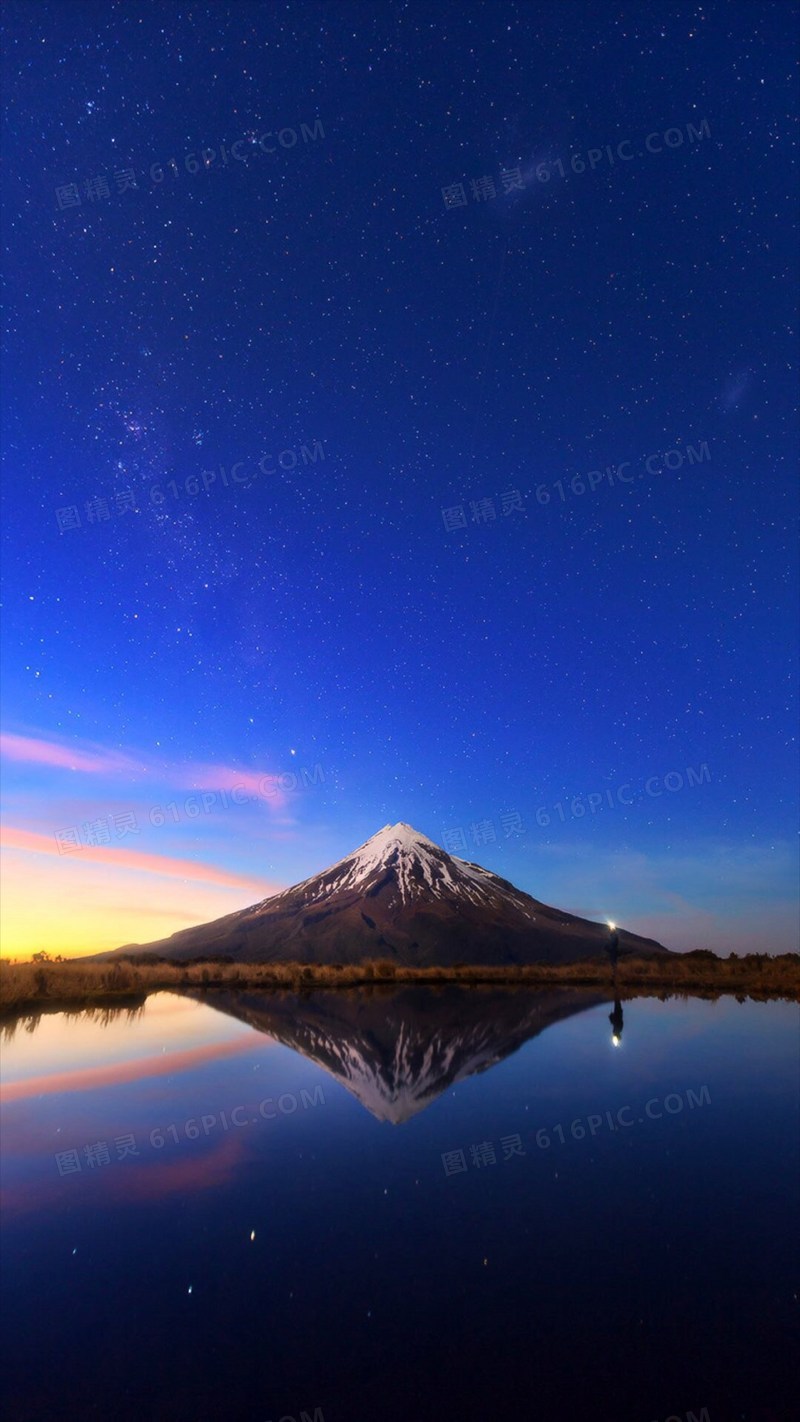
(322, 1235)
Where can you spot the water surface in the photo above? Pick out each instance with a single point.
(401, 1205)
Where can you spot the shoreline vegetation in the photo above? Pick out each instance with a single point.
(75, 983)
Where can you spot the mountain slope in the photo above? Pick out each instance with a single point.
(398, 896)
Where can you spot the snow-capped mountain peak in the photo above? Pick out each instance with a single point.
(398, 896)
(400, 857)
(417, 864)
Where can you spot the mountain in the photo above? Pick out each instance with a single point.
(397, 1050)
(400, 897)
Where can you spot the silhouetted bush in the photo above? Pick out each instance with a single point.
(81, 981)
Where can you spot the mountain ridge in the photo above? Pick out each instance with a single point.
(398, 896)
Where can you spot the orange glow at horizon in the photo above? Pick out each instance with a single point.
(101, 899)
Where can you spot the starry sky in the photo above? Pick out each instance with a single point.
(398, 410)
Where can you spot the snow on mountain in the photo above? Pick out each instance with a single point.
(396, 1054)
(420, 868)
(400, 897)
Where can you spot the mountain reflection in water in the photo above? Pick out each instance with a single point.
(397, 1051)
(235, 1208)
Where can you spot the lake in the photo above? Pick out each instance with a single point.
(417, 1204)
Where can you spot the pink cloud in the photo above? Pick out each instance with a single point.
(94, 1078)
(148, 1179)
(96, 760)
(171, 868)
(90, 762)
(185, 1174)
(198, 776)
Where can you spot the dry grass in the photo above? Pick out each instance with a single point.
(80, 983)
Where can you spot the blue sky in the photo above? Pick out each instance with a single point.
(448, 448)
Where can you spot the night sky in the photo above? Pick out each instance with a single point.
(438, 465)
